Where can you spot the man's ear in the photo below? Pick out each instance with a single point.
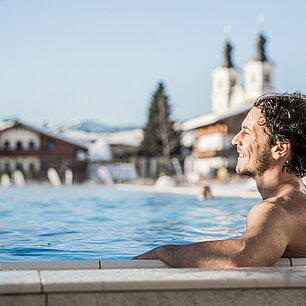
(280, 150)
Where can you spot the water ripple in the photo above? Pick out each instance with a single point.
(43, 223)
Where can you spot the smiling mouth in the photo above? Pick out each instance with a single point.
(241, 155)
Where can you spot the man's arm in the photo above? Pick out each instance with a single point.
(263, 243)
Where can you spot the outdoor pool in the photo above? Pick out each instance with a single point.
(40, 223)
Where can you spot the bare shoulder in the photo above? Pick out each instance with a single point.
(268, 213)
(286, 212)
(268, 225)
(281, 219)
(287, 205)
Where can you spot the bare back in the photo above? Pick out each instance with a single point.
(295, 207)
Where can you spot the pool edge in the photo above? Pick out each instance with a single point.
(147, 280)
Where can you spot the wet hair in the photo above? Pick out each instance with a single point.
(284, 119)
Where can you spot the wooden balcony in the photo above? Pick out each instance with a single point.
(208, 154)
(36, 153)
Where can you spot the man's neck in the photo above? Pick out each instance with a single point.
(274, 182)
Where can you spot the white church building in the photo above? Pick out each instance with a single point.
(231, 100)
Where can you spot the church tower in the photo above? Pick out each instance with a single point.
(258, 73)
(224, 79)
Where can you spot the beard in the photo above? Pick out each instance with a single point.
(261, 165)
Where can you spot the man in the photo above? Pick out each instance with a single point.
(205, 193)
(271, 149)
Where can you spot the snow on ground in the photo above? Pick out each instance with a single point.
(100, 150)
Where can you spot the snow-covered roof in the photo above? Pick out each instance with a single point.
(11, 123)
(6, 124)
(130, 137)
(86, 138)
(213, 118)
(99, 144)
(127, 137)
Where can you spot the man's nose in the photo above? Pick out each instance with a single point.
(235, 140)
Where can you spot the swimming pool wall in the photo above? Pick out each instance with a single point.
(142, 282)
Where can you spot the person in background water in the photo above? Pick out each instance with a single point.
(205, 193)
(271, 149)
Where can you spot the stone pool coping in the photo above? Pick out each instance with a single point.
(114, 264)
(131, 275)
(150, 282)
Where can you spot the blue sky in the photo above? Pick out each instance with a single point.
(68, 59)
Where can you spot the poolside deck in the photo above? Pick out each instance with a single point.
(239, 189)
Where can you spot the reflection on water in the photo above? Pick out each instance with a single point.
(80, 222)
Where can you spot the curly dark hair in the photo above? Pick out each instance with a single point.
(284, 119)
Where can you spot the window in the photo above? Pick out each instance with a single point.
(19, 145)
(7, 145)
(31, 145)
(267, 77)
(51, 145)
(7, 168)
(19, 166)
(31, 168)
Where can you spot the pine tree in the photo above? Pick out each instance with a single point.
(160, 136)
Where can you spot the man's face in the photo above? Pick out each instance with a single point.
(254, 154)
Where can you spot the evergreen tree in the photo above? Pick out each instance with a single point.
(160, 136)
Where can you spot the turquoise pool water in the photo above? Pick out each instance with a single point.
(85, 223)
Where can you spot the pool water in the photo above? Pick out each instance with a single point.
(40, 223)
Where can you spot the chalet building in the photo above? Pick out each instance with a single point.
(115, 149)
(231, 102)
(33, 150)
